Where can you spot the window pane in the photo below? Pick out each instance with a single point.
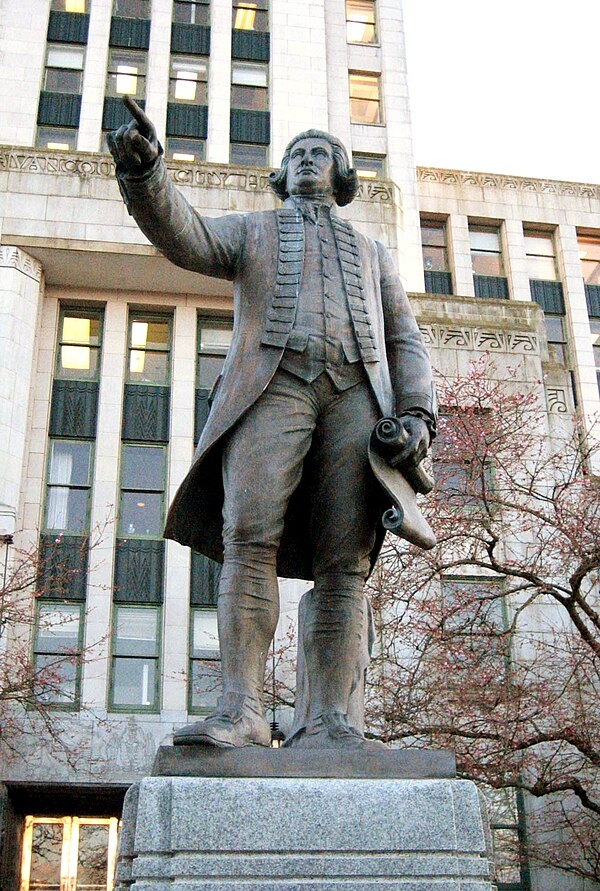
(542, 245)
(46, 853)
(250, 155)
(143, 467)
(66, 510)
(188, 80)
(248, 75)
(58, 80)
(80, 329)
(249, 98)
(78, 362)
(148, 367)
(134, 682)
(69, 5)
(369, 167)
(506, 855)
(56, 138)
(136, 632)
(132, 9)
(209, 368)
(433, 235)
(247, 17)
(364, 98)
(57, 628)
(65, 57)
(215, 340)
(555, 331)
(141, 514)
(92, 857)
(150, 335)
(485, 240)
(364, 86)
(126, 74)
(56, 679)
(189, 150)
(360, 21)
(590, 269)
(205, 683)
(487, 264)
(191, 13)
(205, 634)
(434, 259)
(69, 463)
(542, 268)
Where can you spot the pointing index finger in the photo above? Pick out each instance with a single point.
(139, 114)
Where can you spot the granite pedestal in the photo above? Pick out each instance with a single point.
(237, 833)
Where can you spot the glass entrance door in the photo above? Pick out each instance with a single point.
(69, 853)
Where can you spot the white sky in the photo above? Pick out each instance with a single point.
(506, 86)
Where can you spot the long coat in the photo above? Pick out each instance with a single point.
(244, 248)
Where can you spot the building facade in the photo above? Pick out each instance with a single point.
(108, 352)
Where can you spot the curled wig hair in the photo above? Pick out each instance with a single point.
(345, 180)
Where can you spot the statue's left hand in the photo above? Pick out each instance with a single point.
(417, 444)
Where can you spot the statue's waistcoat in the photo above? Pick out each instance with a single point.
(281, 312)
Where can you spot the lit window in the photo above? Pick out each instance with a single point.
(365, 105)
(135, 658)
(58, 139)
(69, 6)
(149, 350)
(369, 166)
(541, 260)
(68, 486)
(360, 21)
(126, 74)
(249, 86)
(132, 9)
(250, 16)
(191, 12)
(142, 491)
(589, 257)
(248, 155)
(486, 250)
(188, 80)
(64, 67)
(188, 150)
(57, 647)
(435, 252)
(78, 346)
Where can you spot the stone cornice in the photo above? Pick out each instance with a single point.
(202, 175)
(506, 182)
(14, 258)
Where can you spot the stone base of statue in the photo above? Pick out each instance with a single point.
(295, 833)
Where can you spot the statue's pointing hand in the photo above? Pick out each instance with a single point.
(135, 146)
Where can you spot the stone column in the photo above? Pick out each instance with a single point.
(219, 81)
(21, 286)
(177, 575)
(298, 74)
(578, 324)
(159, 59)
(104, 506)
(459, 249)
(94, 79)
(516, 260)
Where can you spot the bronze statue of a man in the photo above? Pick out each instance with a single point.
(324, 344)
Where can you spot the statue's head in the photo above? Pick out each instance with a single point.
(315, 162)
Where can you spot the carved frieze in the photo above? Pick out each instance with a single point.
(203, 175)
(500, 181)
(14, 258)
(462, 337)
(557, 400)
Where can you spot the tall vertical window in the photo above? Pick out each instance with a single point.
(250, 16)
(149, 349)
(57, 649)
(188, 82)
(365, 100)
(135, 658)
(126, 74)
(589, 257)
(64, 68)
(546, 290)
(360, 21)
(486, 259)
(68, 487)
(60, 99)
(541, 256)
(143, 478)
(438, 279)
(187, 112)
(77, 356)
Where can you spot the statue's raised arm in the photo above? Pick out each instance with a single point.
(135, 146)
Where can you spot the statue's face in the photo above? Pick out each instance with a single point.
(311, 168)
